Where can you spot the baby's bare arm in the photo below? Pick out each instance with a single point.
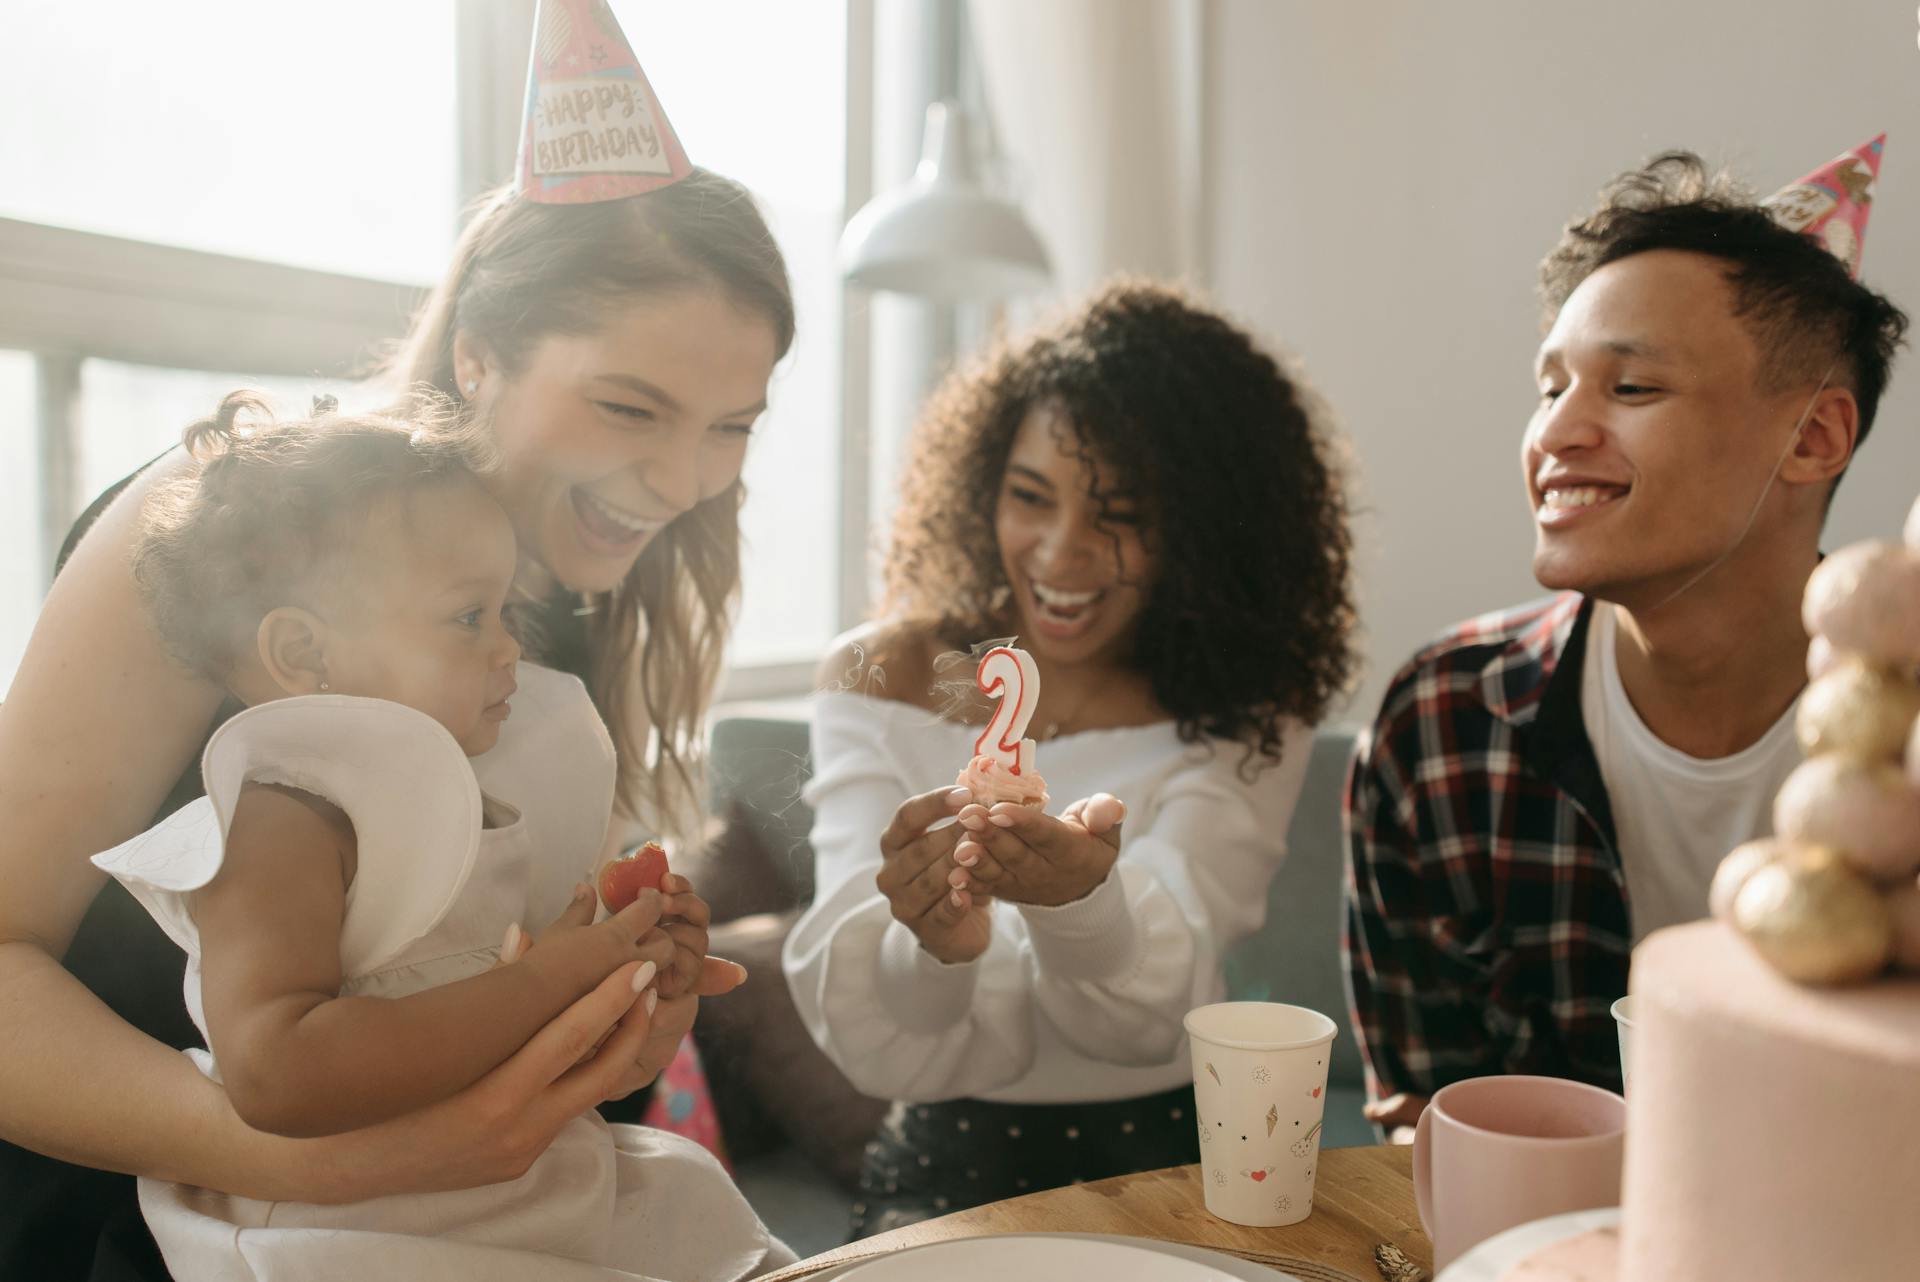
(298, 1058)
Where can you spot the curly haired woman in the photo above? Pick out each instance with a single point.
(1143, 497)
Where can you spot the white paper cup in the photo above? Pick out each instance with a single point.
(1623, 1022)
(1260, 1086)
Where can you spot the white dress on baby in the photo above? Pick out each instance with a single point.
(429, 905)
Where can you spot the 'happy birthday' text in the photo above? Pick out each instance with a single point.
(594, 126)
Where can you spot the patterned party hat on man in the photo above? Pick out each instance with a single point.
(1831, 204)
(594, 130)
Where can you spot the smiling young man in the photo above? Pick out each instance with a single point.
(1545, 786)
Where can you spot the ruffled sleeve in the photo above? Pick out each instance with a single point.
(1110, 975)
(399, 776)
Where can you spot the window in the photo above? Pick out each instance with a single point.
(755, 111)
(130, 413)
(320, 135)
(20, 574)
(319, 151)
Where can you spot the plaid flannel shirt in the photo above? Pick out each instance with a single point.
(1487, 922)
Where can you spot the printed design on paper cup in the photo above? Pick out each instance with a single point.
(1304, 1145)
(1261, 1075)
(1216, 1075)
(1219, 1176)
(1258, 1173)
(1315, 1092)
(1206, 1136)
(1273, 1118)
(1283, 1203)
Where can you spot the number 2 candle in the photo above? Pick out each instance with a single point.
(1003, 766)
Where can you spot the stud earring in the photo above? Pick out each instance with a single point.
(324, 686)
(473, 385)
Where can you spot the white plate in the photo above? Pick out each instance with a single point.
(1051, 1257)
(1493, 1257)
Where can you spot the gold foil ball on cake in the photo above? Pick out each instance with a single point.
(1822, 658)
(1814, 919)
(1865, 809)
(1866, 598)
(1858, 709)
(1742, 863)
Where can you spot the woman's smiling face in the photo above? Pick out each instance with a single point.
(606, 437)
(1073, 548)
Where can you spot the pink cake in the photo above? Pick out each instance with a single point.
(1773, 1128)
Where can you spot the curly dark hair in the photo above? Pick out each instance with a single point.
(1799, 303)
(1249, 621)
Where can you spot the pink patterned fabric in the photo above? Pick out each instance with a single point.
(1831, 204)
(594, 130)
(683, 1106)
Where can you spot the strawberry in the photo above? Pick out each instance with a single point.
(621, 880)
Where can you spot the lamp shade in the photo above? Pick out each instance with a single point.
(941, 235)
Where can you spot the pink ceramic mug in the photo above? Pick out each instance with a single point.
(1493, 1152)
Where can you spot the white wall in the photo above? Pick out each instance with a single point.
(1385, 177)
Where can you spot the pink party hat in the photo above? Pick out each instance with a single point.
(1831, 204)
(594, 130)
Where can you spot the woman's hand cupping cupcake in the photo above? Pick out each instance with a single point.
(1027, 857)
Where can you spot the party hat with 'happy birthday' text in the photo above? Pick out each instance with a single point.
(593, 129)
(1831, 204)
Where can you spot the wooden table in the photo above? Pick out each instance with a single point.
(1361, 1197)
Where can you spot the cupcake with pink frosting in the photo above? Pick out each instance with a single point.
(991, 782)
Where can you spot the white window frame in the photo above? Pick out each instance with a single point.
(69, 296)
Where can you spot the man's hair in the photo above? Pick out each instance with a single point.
(1802, 309)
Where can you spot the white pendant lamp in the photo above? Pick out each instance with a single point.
(941, 235)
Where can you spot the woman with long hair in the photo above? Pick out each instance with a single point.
(1144, 499)
(618, 353)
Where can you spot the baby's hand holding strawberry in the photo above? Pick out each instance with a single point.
(685, 919)
(579, 952)
(622, 878)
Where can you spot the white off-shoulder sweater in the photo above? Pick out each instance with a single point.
(1079, 1003)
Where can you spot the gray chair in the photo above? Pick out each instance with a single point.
(757, 764)
(1295, 956)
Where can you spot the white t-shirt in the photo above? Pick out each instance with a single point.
(1675, 816)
